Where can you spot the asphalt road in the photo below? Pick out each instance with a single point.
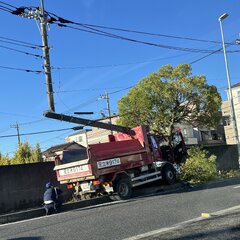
(125, 219)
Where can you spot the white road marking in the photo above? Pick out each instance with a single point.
(181, 225)
(237, 187)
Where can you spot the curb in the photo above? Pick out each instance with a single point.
(39, 212)
(215, 183)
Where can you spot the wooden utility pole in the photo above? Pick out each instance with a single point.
(18, 134)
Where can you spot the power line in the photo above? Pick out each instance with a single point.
(122, 89)
(102, 33)
(23, 42)
(208, 55)
(19, 44)
(5, 9)
(35, 133)
(63, 23)
(19, 51)
(118, 64)
(7, 4)
(86, 89)
(62, 20)
(21, 69)
(94, 29)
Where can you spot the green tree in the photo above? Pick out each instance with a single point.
(170, 96)
(36, 154)
(4, 160)
(23, 154)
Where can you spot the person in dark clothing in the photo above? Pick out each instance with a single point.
(51, 198)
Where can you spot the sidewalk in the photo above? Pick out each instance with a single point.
(220, 225)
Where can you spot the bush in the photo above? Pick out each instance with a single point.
(199, 167)
(229, 174)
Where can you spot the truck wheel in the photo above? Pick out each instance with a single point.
(168, 175)
(124, 189)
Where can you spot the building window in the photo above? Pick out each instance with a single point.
(79, 139)
(238, 96)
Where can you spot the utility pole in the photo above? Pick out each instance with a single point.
(39, 15)
(18, 134)
(106, 97)
(47, 65)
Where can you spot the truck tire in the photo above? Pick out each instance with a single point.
(168, 175)
(124, 189)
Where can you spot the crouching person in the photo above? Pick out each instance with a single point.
(51, 198)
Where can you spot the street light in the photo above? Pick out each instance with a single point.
(232, 110)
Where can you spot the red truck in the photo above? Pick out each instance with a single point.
(130, 158)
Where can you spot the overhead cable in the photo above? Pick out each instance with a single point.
(62, 20)
(19, 51)
(35, 133)
(21, 69)
(5, 9)
(117, 64)
(194, 50)
(7, 4)
(20, 43)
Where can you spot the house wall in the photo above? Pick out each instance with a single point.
(236, 105)
(226, 110)
(80, 138)
(96, 135)
(22, 186)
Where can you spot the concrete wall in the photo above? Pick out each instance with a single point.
(227, 156)
(22, 186)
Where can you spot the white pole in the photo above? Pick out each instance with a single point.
(232, 110)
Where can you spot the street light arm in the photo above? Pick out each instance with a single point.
(222, 17)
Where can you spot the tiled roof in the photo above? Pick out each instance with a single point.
(60, 147)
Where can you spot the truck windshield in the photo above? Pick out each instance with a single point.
(74, 155)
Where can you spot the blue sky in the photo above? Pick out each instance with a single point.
(91, 64)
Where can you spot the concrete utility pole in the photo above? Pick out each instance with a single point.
(106, 97)
(47, 65)
(39, 15)
(18, 134)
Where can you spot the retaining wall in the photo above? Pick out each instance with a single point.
(227, 156)
(22, 186)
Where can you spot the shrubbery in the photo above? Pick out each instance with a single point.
(229, 174)
(199, 167)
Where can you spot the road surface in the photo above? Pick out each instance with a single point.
(125, 219)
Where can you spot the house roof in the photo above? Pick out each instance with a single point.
(60, 147)
(236, 85)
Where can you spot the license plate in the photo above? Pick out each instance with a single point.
(85, 186)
